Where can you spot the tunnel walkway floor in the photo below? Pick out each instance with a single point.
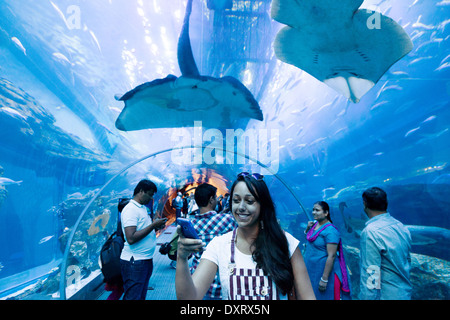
(162, 282)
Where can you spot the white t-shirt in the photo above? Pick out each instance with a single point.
(218, 251)
(135, 214)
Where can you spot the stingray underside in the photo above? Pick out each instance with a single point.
(178, 102)
(349, 54)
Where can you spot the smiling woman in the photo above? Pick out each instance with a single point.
(245, 208)
(259, 233)
(261, 260)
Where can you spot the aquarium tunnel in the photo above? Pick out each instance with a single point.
(325, 99)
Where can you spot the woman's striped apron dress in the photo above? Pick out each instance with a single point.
(249, 284)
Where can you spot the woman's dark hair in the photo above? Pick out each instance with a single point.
(271, 252)
(325, 207)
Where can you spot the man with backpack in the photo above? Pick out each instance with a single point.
(140, 241)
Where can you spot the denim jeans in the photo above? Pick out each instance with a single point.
(177, 213)
(136, 275)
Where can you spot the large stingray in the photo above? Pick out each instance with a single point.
(346, 48)
(177, 102)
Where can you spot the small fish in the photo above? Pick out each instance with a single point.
(19, 45)
(342, 191)
(8, 182)
(443, 66)
(359, 165)
(95, 40)
(45, 239)
(326, 190)
(413, 4)
(445, 59)
(378, 154)
(62, 57)
(411, 131)
(419, 60)
(419, 24)
(318, 140)
(75, 196)
(399, 74)
(393, 87)
(443, 3)
(429, 119)
(115, 109)
(340, 130)
(61, 14)
(13, 112)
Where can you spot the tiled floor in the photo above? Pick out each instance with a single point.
(163, 277)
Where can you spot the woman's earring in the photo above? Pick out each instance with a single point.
(262, 225)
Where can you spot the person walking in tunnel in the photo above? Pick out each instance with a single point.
(209, 224)
(184, 210)
(226, 203)
(193, 207)
(136, 258)
(324, 256)
(177, 203)
(385, 252)
(257, 260)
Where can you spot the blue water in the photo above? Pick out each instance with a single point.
(62, 62)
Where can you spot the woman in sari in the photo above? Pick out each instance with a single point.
(324, 257)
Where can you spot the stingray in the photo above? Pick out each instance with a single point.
(179, 101)
(352, 224)
(346, 48)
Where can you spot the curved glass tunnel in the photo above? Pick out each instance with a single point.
(64, 164)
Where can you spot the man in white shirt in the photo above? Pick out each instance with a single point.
(136, 259)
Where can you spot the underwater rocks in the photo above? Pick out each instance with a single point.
(83, 259)
(429, 275)
(78, 249)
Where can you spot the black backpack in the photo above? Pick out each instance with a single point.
(110, 255)
(110, 258)
(166, 247)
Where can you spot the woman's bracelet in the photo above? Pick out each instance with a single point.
(321, 279)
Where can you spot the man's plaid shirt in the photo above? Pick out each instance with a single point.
(208, 226)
